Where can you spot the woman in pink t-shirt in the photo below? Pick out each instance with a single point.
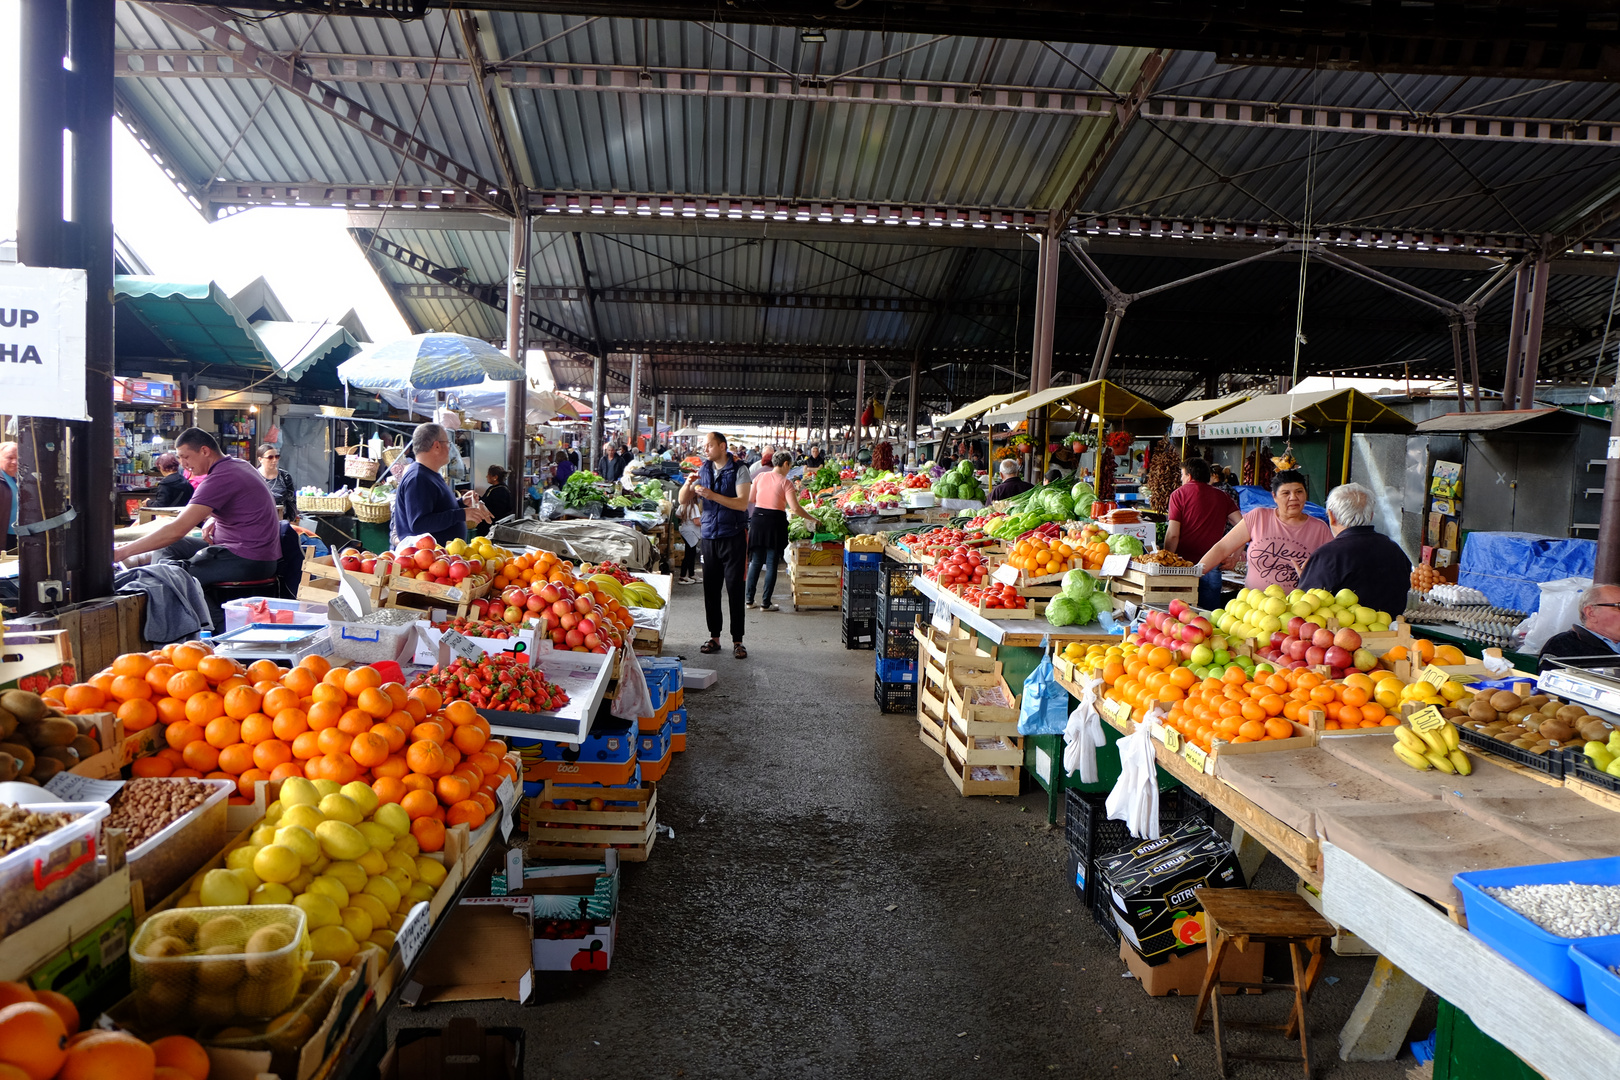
(773, 497)
(1279, 540)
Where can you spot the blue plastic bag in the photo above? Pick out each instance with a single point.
(1044, 707)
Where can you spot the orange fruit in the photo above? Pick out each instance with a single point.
(430, 731)
(204, 707)
(172, 754)
(12, 992)
(186, 657)
(362, 678)
(128, 688)
(305, 746)
(418, 803)
(396, 693)
(83, 696)
(33, 1038)
(217, 669)
(466, 812)
(181, 734)
(158, 676)
(429, 833)
(392, 767)
(368, 749)
(236, 759)
(333, 741)
(256, 728)
(335, 677)
(185, 684)
(138, 714)
(425, 757)
(179, 1052)
(292, 768)
(222, 731)
(392, 734)
(278, 699)
(153, 766)
(63, 1006)
(486, 800)
(453, 789)
(355, 721)
(371, 700)
(326, 693)
(201, 756)
(188, 773)
(288, 724)
(415, 781)
(105, 1055)
(136, 664)
(1350, 716)
(316, 665)
(270, 753)
(1278, 728)
(54, 693)
(248, 781)
(388, 789)
(264, 670)
(430, 698)
(415, 710)
(300, 680)
(324, 714)
(242, 702)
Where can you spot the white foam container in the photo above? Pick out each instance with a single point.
(307, 612)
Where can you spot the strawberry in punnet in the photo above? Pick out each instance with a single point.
(502, 682)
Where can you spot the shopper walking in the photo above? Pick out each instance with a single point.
(9, 466)
(722, 483)
(1200, 515)
(282, 488)
(1280, 540)
(773, 497)
(691, 527)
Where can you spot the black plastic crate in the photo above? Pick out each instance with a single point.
(894, 579)
(904, 609)
(1550, 763)
(859, 633)
(1577, 765)
(896, 642)
(1091, 835)
(860, 607)
(895, 697)
(860, 583)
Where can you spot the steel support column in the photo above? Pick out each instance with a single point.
(634, 413)
(913, 390)
(1457, 360)
(1515, 351)
(598, 407)
(1473, 354)
(1532, 337)
(860, 404)
(517, 347)
(1046, 282)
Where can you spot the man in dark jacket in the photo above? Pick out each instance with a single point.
(1359, 558)
(1011, 483)
(1597, 633)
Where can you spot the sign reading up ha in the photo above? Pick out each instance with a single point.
(42, 312)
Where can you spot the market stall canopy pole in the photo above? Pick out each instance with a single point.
(428, 362)
(517, 348)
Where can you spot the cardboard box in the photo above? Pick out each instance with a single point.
(1444, 557)
(1152, 886)
(677, 729)
(1144, 531)
(607, 756)
(461, 1051)
(1435, 533)
(81, 948)
(1451, 540)
(1447, 507)
(482, 952)
(1184, 974)
(574, 907)
(35, 659)
(655, 750)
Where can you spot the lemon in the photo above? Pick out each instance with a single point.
(409, 846)
(349, 873)
(371, 906)
(339, 807)
(240, 857)
(418, 892)
(223, 888)
(378, 836)
(297, 791)
(396, 921)
(329, 886)
(400, 878)
(430, 871)
(264, 834)
(276, 864)
(358, 922)
(302, 842)
(248, 878)
(384, 890)
(372, 862)
(383, 939)
(319, 910)
(304, 816)
(326, 787)
(191, 899)
(361, 794)
(273, 812)
(393, 817)
(398, 860)
(271, 893)
(334, 942)
(341, 840)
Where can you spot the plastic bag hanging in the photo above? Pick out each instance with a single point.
(632, 700)
(1043, 708)
(1135, 797)
(1084, 734)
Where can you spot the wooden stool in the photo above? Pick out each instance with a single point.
(1273, 918)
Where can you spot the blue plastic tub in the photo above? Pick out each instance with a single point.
(853, 559)
(897, 671)
(1544, 955)
(1601, 986)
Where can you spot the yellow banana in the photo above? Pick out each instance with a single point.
(609, 585)
(1411, 739)
(1449, 733)
(1461, 762)
(1411, 757)
(1441, 762)
(1436, 741)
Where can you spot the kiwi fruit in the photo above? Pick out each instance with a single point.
(1536, 701)
(45, 768)
(49, 732)
(218, 976)
(268, 939)
(1451, 713)
(266, 996)
(1594, 731)
(1505, 701)
(68, 756)
(1481, 710)
(85, 747)
(9, 767)
(24, 705)
(1569, 713)
(23, 754)
(8, 724)
(177, 924)
(221, 930)
(1556, 731)
(209, 1009)
(164, 1001)
(1506, 735)
(165, 945)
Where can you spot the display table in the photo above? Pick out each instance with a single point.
(1013, 633)
(653, 623)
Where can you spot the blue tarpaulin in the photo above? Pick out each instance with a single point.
(1508, 567)
(1252, 498)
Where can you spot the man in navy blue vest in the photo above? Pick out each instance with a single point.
(722, 483)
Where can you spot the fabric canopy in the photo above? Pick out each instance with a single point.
(1191, 412)
(196, 321)
(296, 347)
(977, 408)
(1109, 400)
(1268, 415)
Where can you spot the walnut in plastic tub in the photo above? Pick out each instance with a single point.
(218, 965)
(48, 855)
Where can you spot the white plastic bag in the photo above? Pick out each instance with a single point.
(1085, 733)
(632, 700)
(1135, 797)
(1559, 610)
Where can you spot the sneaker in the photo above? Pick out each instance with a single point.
(770, 607)
(752, 606)
(688, 581)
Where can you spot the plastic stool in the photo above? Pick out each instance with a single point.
(1274, 918)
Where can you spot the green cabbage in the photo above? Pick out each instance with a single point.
(1067, 611)
(1124, 543)
(1078, 585)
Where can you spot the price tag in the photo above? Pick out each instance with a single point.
(461, 645)
(71, 788)
(1195, 756)
(1172, 739)
(1434, 677)
(1426, 719)
(1006, 573)
(1114, 565)
(414, 934)
(942, 618)
(507, 796)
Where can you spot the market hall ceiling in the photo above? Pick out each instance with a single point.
(754, 210)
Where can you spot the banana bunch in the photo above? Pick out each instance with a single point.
(642, 595)
(1436, 749)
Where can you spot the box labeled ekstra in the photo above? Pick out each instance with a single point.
(1183, 974)
(1152, 886)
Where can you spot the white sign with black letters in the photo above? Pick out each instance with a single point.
(42, 313)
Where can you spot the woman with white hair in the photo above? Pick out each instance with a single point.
(1359, 557)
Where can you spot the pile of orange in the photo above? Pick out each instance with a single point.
(539, 566)
(1425, 652)
(1037, 556)
(264, 722)
(1234, 708)
(40, 1040)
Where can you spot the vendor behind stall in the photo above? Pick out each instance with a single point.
(1200, 514)
(1280, 540)
(1596, 634)
(425, 502)
(497, 496)
(1011, 483)
(1359, 558)
(282, 488)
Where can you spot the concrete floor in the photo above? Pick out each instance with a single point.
(830, 907)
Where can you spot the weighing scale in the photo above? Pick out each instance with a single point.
(284, 643)
(1593, 681)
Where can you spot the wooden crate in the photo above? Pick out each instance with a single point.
(962, 675)
(931, 722)
(965, 746)
(1006, 780)
(1157, 589)
(322, 576)
(457, 599)
(558, 834)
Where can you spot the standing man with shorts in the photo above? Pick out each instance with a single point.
(722, 483)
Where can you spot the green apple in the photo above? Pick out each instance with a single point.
(1201, 655)
(1346, 598)
(1222, 658)
(1276, 606)
(1274, 590)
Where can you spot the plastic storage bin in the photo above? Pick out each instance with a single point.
(166, 861)
(1542, 954)
(223, 987)
(288, 1032)
(367, 643)
(308, 612)
(1601, 985)
(52, 869)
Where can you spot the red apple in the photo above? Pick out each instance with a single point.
(1308, 630)
(1337, 657)
(549, 593)
(574, 638)
(583, 604)
(558, 636)
(426, 543)
(1295, 623)
(1347, 639)
(1323, 638)
(534, 603)
(1315, 656)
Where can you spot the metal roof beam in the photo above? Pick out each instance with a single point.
(193, 188)
(209, 26)
(774, 301)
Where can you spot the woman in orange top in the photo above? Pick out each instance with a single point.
(773, 496)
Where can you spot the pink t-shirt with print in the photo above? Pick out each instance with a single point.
(1277, 552)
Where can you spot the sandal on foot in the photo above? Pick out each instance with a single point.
(738, 651)
(710, 646)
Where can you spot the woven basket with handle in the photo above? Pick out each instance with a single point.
(375, 513)
(323, 504)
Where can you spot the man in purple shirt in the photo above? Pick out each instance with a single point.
(241, 538)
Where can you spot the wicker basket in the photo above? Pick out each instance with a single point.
(391, 454)
(323, 504)
(375, 513)
(361, 468)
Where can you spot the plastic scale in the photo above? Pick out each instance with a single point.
(284, 643)
(1589, 680)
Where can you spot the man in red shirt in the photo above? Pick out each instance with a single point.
(1199, 516)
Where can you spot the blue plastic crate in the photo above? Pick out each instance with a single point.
(896, 671)
(1542, 954)
(854, 559)
(1600, 985)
